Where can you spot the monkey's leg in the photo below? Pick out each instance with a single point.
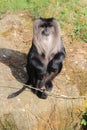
(55, 70)
(40, 94)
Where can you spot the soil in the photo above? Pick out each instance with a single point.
(26, 111)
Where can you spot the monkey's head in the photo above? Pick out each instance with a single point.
(46, 35)
(46, 27)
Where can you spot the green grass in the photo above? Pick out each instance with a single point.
(12, 5)
(72, 14)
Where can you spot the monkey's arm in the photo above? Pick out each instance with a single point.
(34, 60)
(55, 65)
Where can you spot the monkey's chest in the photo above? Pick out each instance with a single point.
(47, 48)
(45, 58)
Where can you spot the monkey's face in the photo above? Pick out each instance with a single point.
(45, 27)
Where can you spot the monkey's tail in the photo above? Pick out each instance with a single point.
(16, 93)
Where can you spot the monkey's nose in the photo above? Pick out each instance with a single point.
(46, 32)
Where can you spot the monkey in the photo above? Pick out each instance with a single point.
(45, 57)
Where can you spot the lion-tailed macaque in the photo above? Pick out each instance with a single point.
(45, 56)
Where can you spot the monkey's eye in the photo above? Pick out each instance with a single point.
(45, 25)
(50, 25)
(41, 26)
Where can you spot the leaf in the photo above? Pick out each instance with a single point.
(84, 122)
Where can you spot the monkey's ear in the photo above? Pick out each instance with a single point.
(35, 25)
(41, 18)
(37, 21)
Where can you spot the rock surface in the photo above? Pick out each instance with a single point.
(26, 111)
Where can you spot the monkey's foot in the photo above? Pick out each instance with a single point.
(41, 95)
(34, 91)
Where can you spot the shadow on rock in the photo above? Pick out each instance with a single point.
(16, 61)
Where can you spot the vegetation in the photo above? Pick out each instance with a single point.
(72, 14)
(84, 121)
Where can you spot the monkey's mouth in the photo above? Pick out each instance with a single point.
(46, 32)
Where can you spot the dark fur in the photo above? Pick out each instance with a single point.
(43, 64)
(40, 71)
